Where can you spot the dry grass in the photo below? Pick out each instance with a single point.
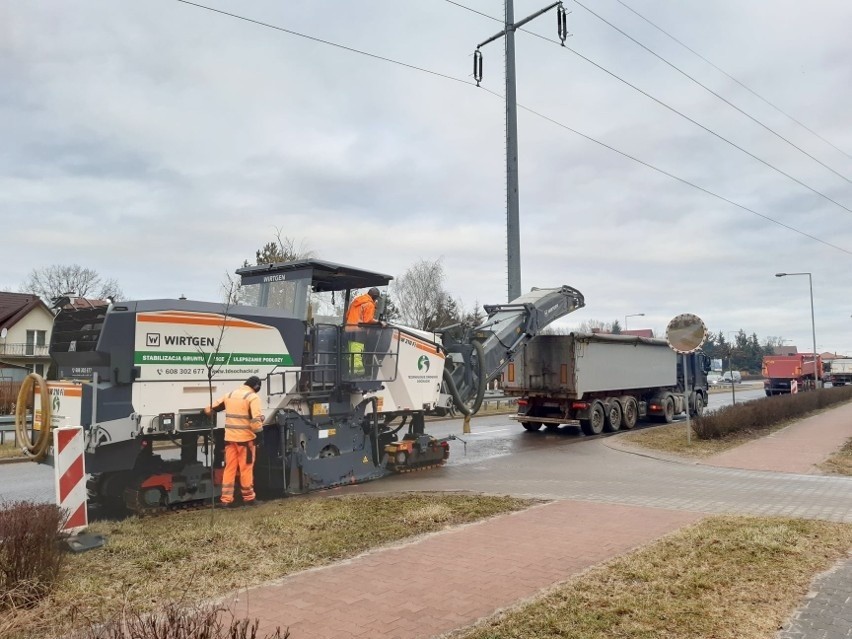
(840, 463)
(671, 438)
(147, 563)
(9, 451)
(726, 578)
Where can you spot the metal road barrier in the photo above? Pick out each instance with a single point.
(7, 429)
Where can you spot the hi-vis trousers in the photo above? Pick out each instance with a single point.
(238, 456)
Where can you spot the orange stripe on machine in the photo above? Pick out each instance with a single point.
(65, 389)
(197, 319)
(423, 346)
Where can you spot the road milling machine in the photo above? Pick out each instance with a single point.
(136, 374)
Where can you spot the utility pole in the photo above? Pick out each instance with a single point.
(513, 234)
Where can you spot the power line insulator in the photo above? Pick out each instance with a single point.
(477, 66)
(562, 23)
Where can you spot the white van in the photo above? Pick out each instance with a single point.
(732, 376)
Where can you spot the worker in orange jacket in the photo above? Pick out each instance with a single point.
(362, 310)
(243, 420)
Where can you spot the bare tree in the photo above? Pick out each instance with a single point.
(53, 281)
(281, 249)
(594, 326)
(420, 295)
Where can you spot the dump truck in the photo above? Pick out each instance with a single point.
(841, 372)
(783, 374)
(603, 382)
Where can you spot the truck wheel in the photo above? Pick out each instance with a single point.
(769, 393)
(531, 426)
(629, 413)
(668, 409)
(613, 417)
(594, 425)
(698, 411)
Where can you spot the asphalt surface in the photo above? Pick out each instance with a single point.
(492, 436)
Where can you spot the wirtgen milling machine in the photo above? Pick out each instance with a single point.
(141, 372)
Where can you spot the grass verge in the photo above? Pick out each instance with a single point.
(736, 578)
(10, 451)
(198, 555)
(840, 463)
(671, 438)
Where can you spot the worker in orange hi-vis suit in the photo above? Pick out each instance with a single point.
(361, 311)
(363, 308)
(243, 420)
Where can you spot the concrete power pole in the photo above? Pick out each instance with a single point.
(513, 234)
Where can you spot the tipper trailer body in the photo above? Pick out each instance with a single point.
(603, 381)
(784, 374)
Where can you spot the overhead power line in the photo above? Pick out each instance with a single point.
(680, 179)
(531, 111)
(321, 41)
(732, 78)
(673, 110)
(711, 91)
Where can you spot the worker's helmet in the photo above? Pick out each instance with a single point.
(253, 383)
(374, 293)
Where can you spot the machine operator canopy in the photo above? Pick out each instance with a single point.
(302, 287)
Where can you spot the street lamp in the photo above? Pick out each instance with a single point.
(817, 379)
(632, 315)
(731, 368)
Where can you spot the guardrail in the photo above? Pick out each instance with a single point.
(7, 430)
(499, 401)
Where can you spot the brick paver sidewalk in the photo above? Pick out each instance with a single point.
(451, 579)
(798, 448)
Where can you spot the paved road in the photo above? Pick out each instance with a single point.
(493, 436)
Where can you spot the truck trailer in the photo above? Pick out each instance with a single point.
(784, 374)
(604, 382)
(841, 372)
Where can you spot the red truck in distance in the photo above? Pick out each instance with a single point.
(781, 371)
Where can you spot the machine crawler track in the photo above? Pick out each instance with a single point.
(416, 469)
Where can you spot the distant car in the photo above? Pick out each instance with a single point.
(730, 377)
(714, 379)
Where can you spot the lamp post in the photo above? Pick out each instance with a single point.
(632, 315)
(731, 369)
(817, 379)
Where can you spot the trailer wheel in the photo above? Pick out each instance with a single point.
(629, 413)
(668, 409)
(531, 426)
(594, 425)
(613, 417)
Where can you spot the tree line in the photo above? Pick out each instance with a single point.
(418, 298)
(744, 352)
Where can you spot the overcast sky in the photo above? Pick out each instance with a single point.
(162, 144)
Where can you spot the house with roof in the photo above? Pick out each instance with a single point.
(25, 326)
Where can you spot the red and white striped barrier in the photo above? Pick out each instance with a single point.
(70, 475)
